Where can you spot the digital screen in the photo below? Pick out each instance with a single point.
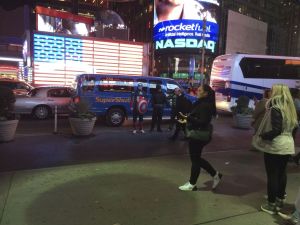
(58, 59)
(185, 25)
(49, 20)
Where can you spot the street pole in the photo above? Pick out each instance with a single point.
(203, 49)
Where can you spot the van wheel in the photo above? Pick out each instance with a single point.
(115, 117)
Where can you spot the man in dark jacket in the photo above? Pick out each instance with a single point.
(172, 100)
(158, 101)
(183, 107)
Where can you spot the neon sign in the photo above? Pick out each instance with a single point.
(184, 43)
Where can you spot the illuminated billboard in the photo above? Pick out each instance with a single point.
(178, 25)
(57, 59)
(54, 21)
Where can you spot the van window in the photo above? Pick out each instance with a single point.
(116, 85)
(171, 85)
(152, 85)
(88, 83)
(144, 82)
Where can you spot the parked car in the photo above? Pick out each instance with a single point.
(41, 101)
(19, 87)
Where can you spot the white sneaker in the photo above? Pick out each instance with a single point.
(142, 131)
(134, 131)
(216, 180)
(188, 187)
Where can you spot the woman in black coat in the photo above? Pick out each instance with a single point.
(200, 119)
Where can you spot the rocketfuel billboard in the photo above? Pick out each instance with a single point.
(185, 25)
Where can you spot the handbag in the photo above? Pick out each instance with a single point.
(199, 134)
(265, 125)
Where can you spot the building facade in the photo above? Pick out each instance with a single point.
(282, 17)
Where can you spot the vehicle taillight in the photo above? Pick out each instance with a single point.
(76, 99)
(228, 98)
(227, 83)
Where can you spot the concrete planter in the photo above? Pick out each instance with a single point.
(242, 121)
(82, 127)
(8, 130)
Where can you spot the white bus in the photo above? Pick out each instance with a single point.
(242, 74)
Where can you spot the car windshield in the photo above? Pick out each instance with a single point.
(33, 92)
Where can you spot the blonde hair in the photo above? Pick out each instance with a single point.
(281, 99)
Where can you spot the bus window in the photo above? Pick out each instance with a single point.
(152, 85)
(269, 68)
(144, 83)
(290, 71)
(115, 85)
(259, 68)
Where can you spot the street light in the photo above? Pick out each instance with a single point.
(203, 48)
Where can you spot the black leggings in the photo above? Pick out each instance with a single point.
(276, 175)
(195, 149)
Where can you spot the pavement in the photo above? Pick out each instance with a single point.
(116, 178)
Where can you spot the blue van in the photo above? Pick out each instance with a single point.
(110, 95)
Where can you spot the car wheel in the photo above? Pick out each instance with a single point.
(115, 117)
(41, 112)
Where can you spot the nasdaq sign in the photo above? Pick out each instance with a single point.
(186, 34)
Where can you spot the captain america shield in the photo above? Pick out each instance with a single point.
(142, 106)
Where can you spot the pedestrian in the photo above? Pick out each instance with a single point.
(260, 109)
(158, 101)
(274, 138)
(200, 118)
(183, 107)
(172, 100)
(296, 97)
(7, 102)
(137, 99)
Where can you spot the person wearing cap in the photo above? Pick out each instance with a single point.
(136, 97)
(158, 101)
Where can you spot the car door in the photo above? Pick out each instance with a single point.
(60, 97)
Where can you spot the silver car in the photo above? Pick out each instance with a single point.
(41, 101)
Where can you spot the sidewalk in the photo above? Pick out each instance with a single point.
(141, 192)
(116, 178)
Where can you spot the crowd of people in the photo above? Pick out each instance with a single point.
(275, 122)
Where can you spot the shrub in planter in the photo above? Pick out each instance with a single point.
(81, 119)
(8, 120)
(242, 113)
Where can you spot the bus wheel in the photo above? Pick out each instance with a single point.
(115, 117)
